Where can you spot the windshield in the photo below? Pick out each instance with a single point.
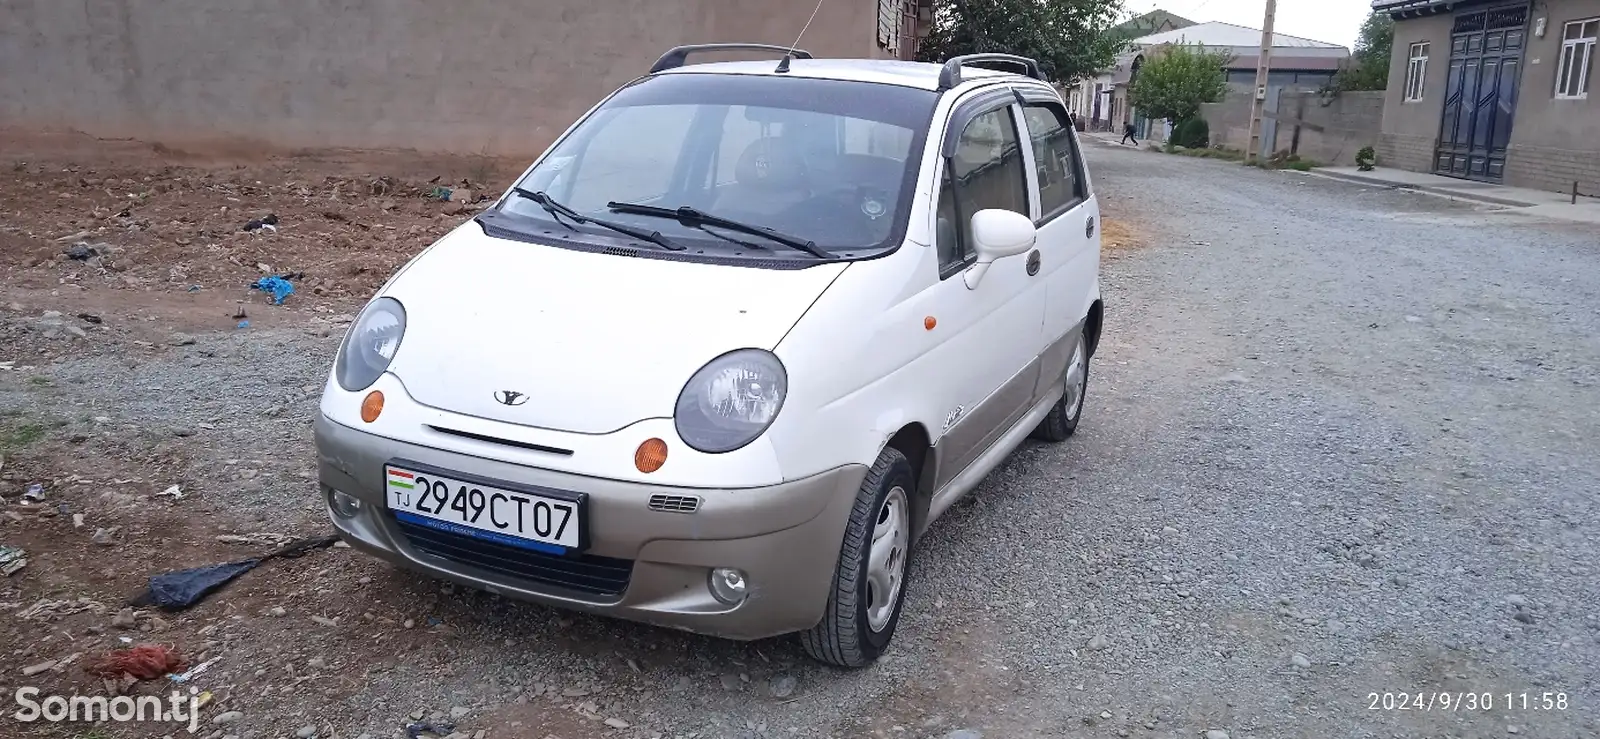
(825, 161)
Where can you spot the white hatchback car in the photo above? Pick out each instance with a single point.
(723, 353)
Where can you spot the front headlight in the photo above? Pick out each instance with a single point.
(731, 401)
(371, 344)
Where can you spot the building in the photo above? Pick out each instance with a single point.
(1495, 91)
(1087, 98)
(1296, 64)
(467, 76)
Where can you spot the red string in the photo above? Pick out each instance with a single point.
(146, 662)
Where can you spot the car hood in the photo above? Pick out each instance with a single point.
(592, 342)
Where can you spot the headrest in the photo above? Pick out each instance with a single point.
(770, 163)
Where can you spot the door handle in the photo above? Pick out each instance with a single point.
(1088, 227)
(1033, 262)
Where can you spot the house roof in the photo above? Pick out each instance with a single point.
(1217, 33)
(1155, 21)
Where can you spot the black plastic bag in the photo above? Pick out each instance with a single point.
(180, 589)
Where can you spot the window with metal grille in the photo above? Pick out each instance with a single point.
(1576, 63)
(1416, 71)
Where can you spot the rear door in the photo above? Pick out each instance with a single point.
(992, 353)
(1068, 221)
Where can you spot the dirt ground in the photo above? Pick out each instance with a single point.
(116, 255)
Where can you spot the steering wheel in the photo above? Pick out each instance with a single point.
(852, 211)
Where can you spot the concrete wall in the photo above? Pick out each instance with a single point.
(1411, 129)
(463, 76)
(1555, 142)
(1333, 129)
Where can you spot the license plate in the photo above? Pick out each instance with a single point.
(514, 517)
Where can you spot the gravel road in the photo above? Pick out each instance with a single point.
(1339, 441)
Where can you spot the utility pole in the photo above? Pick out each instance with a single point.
(1263, 64)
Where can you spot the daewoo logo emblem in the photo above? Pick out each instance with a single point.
(510, 397)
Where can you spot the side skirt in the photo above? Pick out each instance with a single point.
(963, 483)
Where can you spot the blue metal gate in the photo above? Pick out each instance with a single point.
(1481, 92)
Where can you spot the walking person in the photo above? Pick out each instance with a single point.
(1127, 134)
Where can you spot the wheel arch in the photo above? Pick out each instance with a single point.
(913, 441)
(1092, 324)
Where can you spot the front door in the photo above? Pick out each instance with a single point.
(1481, 92)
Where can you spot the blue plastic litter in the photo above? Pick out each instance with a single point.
(279, 287)
(244, 324)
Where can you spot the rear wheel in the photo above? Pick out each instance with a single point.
(869, 581)
(1063, 418)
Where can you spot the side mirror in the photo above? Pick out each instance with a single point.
(997, 234)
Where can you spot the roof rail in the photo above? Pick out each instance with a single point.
(679, 54)
(950, 76)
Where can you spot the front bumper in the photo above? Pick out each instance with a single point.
(642, 564)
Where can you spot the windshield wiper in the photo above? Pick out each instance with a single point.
(690, 217)
(557, 210)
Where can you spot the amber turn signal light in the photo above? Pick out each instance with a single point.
(651, 455)
(372, 405)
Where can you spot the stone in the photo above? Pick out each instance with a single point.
(277, 611)
(181, 339)
(1300, 660)
(124, 619)
(963, 734)
(227, 717)
(1216, 734)
(1097, 643)
(457, 712)
(616, 723)
(306, 732)
(783, 686)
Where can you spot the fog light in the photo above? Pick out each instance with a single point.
(345, 505)
(729, 586)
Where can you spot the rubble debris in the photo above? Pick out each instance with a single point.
(269, 221)
(193, 672)
(35, 492)
(46, 609)
(12, 559)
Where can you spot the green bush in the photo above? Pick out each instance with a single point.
(1366, 158)
(1192, 133)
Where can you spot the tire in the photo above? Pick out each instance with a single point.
(1062, 420)
(860, 619)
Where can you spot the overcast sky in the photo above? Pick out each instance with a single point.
(1333, 21)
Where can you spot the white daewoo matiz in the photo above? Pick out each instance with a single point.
(722, 354)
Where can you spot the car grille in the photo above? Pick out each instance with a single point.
(585, 573)
(675, 503)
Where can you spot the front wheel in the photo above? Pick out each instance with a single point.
(869, 582)
(1062, 420)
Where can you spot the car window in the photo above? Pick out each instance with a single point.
(1054, 158)
(986, 172)
(828, 161)
(622, 160)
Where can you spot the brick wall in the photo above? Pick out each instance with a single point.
(1546, 168)
(1401, 151)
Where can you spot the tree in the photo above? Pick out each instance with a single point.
(1368, 68)
(1069, 38)
(1176, 78)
